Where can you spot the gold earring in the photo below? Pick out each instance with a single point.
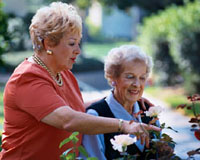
(49, 52)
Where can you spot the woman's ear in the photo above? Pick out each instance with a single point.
(46, 44)
(113, 83)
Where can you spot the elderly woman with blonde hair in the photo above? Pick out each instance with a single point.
(42, 100)
(126, 69)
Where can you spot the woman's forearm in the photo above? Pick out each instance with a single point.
(71, 120)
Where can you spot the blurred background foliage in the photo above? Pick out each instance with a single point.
(4, 36)
(149, 6)
(172, 37)
(168, 30)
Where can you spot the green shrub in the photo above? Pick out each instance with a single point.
(172, 37)
(4, 37)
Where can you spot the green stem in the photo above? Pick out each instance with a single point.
(74, 150)
(195, 113)
(194, 110)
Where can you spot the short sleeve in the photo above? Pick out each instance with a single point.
(37, 96)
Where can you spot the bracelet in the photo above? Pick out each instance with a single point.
(120, 125)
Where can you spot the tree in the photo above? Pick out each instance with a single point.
(4, 36)
(151, 6)
(172, 37)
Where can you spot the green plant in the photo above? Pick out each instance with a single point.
(195, 119)
(70, 154)
(162, 145)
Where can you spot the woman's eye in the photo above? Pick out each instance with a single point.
(143, 78)
(71, 44)
(129, 76)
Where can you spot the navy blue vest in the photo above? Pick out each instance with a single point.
(103, 109)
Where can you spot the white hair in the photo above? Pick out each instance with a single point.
(116, 58)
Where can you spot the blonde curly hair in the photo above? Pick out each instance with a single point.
(52, 22)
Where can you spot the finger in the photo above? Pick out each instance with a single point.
(142, 103)
(142, 139)
(147, 142)
(138, 136)
(148, 102)
(144, 131)
(152, 127)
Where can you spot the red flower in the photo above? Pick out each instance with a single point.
(194, 97)
(197, 134)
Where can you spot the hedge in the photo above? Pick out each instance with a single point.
(172, 37)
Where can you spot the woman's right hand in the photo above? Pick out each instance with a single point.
(140, 130)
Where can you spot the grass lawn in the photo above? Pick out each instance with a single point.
(14, 58)
(173, 96)
(94, 50)
(99, 51)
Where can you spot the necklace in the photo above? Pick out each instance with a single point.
(58, 81)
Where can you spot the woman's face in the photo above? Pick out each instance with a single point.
(66, 52)
(130, 85)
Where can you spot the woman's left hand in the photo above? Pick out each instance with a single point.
(144, 100)
(140, 130)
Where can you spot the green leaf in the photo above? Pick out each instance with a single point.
(64, 142)
(62, 157)
(92, 158)
(74, 140)
(75, 134)
(67, 151)
(172, 129)
(162, 125)
(71, 156)
(83, 151)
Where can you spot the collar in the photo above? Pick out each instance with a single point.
(118, 110)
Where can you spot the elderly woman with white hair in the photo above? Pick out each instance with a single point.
(126, 69)
(42, 101)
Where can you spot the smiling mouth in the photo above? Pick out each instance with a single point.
(134, 92)
(73, 59)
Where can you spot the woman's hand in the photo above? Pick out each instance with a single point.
(140, 130)
(144, 100)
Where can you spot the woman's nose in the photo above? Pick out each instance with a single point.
(136, 82)
(78, 50)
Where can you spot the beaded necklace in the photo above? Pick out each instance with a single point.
(58, 81)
